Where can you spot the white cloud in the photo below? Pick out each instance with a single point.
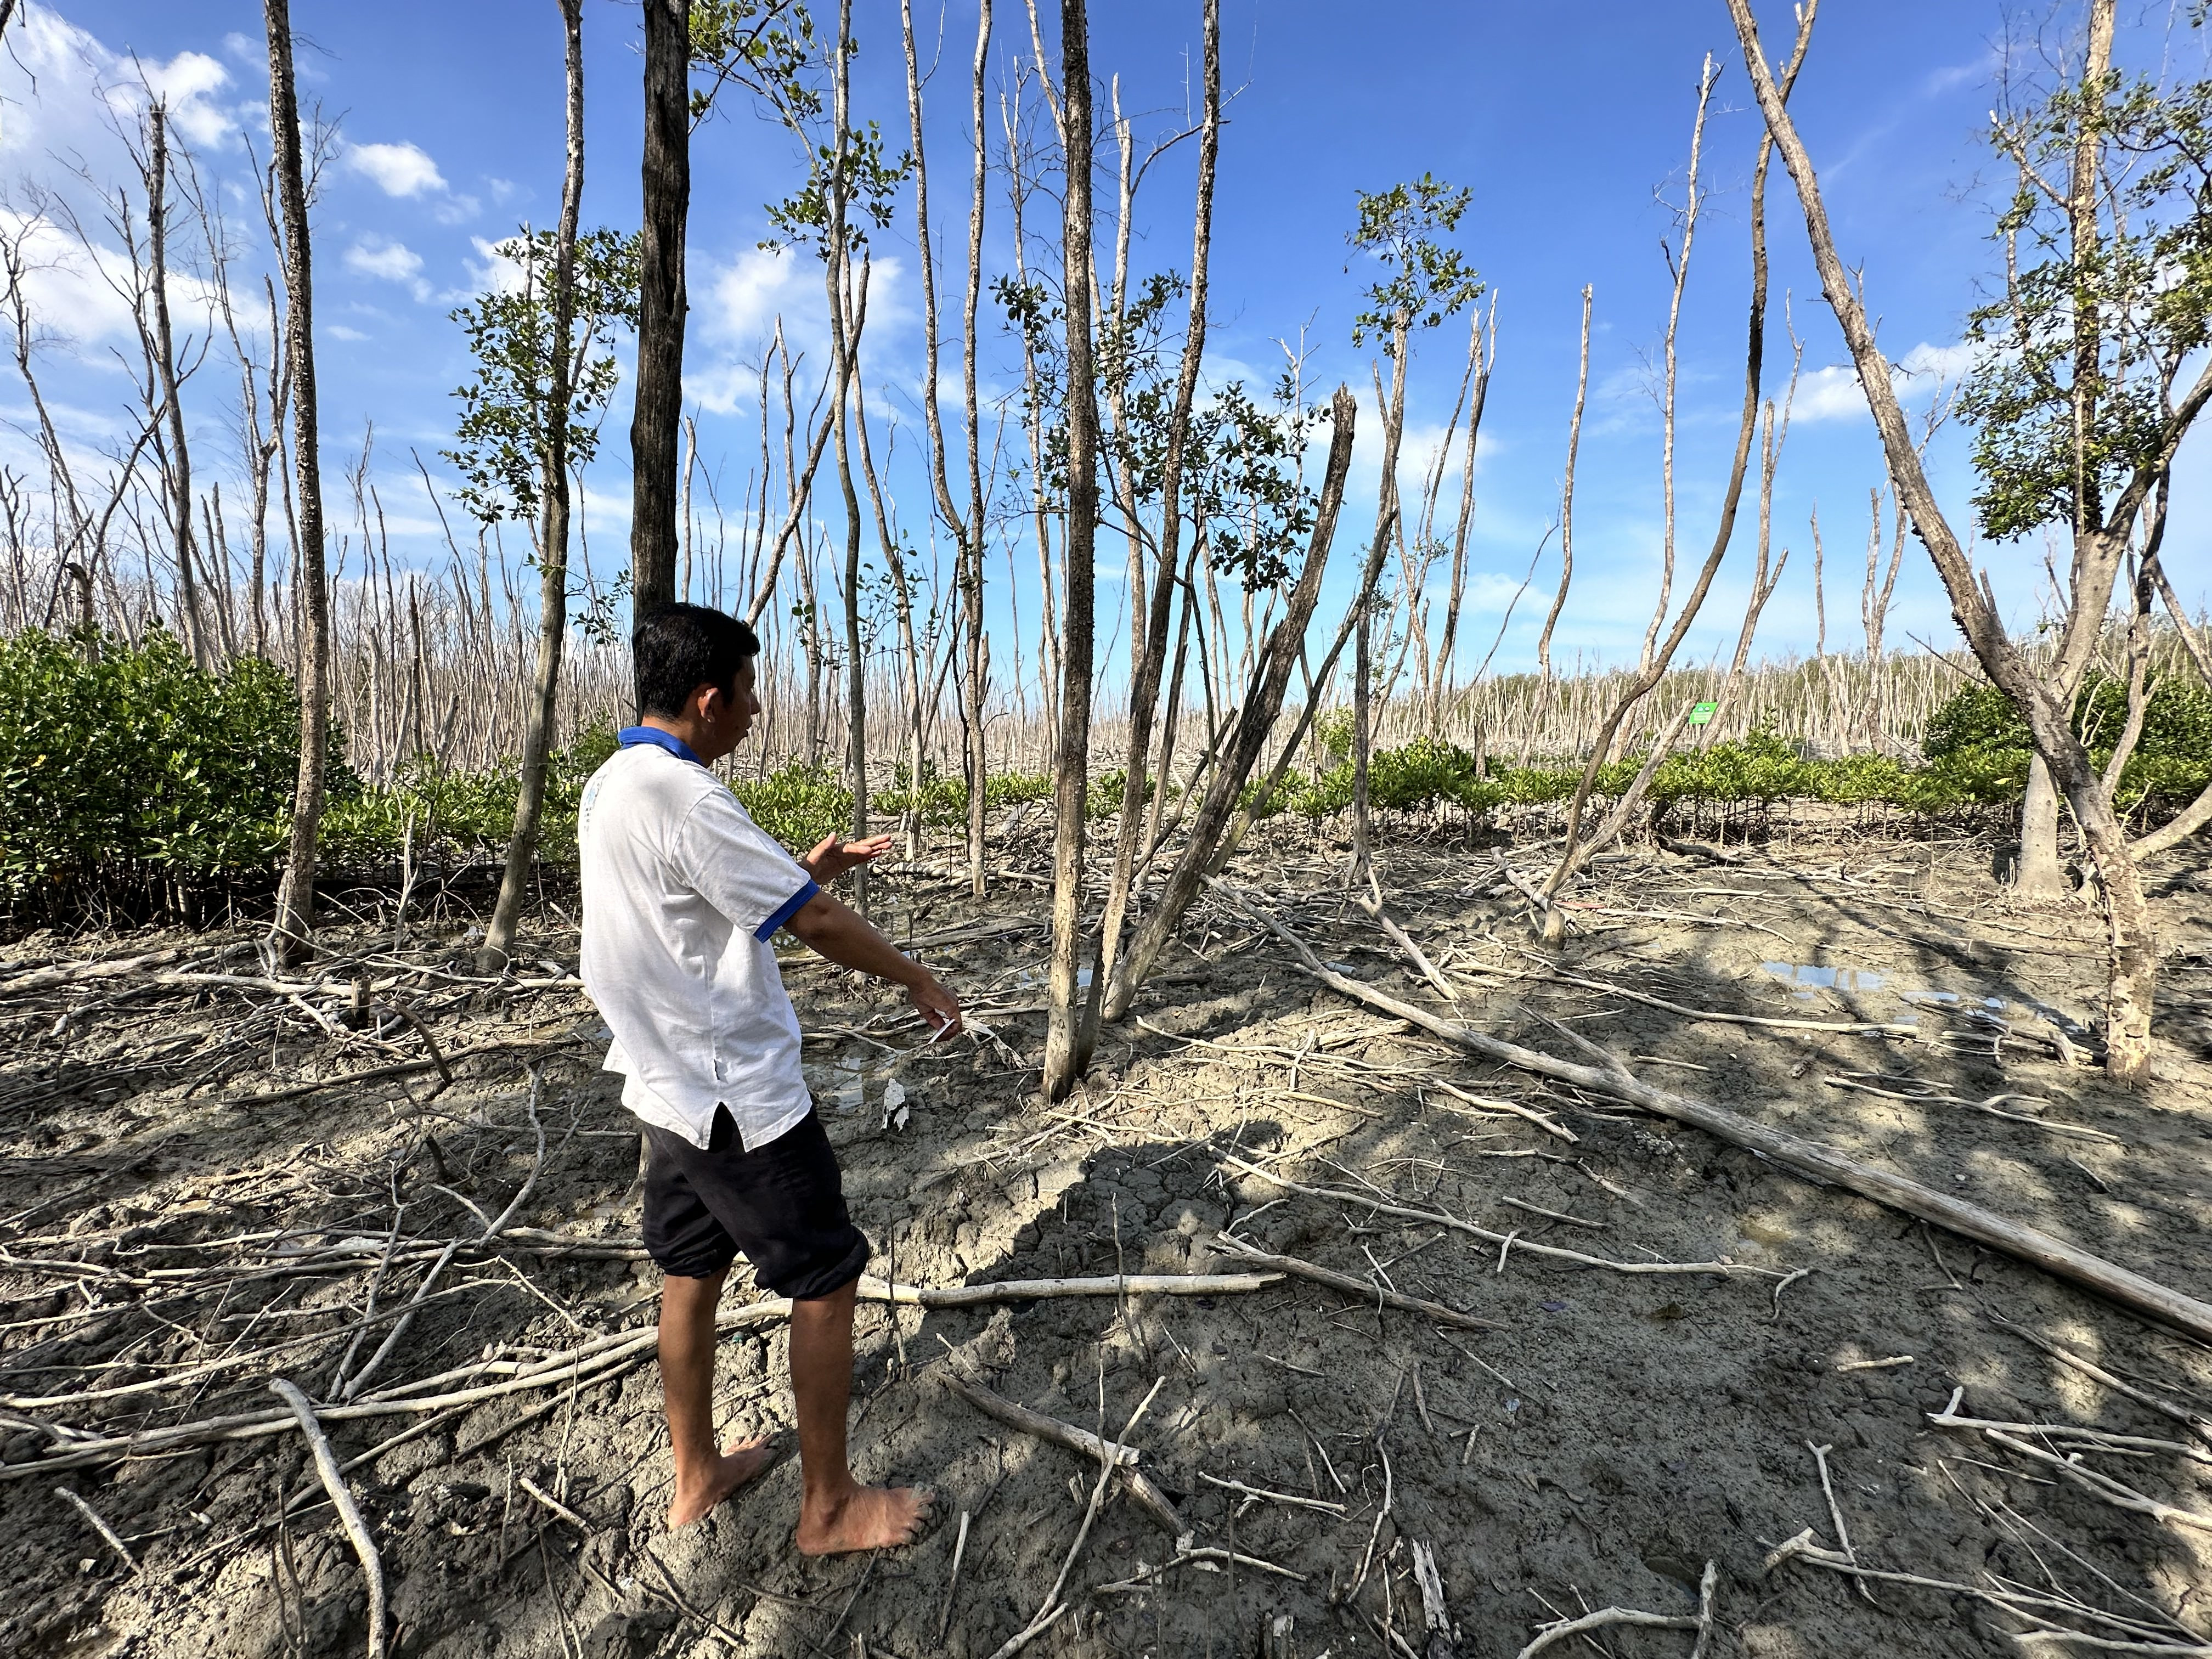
(1829, 394)
(403, 169)
(340, 332)
(79, 289)
(491, 272)
(1948, 362)
(388, 261)
(737, 306)
(1833, 394)
(188, 84)
(65, 93)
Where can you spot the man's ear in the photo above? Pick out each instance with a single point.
(707, 702)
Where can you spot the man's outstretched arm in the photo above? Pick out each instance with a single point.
(831, 928)
(832, 856)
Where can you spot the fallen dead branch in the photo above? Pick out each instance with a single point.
(2135, 1636)
(1082, 1441)
(597, 1361)
(1378, 1205)
(1355, 1287)
(326, 1466)
(2031, 1244)
(2196, 1426)
(1897, 1028)
(1701, 1621)
(1949, 1417)
(1204, 1555)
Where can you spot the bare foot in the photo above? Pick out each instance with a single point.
(865, 1518)
(741, 1460)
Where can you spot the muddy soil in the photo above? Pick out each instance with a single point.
(208, 1181)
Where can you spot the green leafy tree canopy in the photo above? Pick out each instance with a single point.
(506, 423)
(2091, 330)
(1426, 281)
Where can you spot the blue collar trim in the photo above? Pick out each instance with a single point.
(630, 736)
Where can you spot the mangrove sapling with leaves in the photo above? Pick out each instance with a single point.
(1426, 282)
(530, 414)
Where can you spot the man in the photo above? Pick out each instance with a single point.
(682, 893)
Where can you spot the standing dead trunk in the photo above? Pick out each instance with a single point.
(1578, 850)
(967, 529)
(553, 539)
(1063, 1052)
(295, 896)
(1566, 541)
(2134, 949)
(844, 342)
(656, 421)
(1680, 272)
(1483, 356)
(1763, 585)
(178, 474)
(912, 671)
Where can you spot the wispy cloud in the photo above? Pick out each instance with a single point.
(388, 261)
(1833, 394)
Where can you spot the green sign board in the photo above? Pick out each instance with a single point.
(1702, 713)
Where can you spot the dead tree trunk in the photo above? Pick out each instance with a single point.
(966, 528)
(1566, 542)
(1483, 356)
(657, 417)
(1362, 666)
(553, 539)
(1577, 851)
(844, 342)
(1063, 1055)
(1682, 275)
(296, 896)
(178, 474)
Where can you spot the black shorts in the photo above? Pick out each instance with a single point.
(782, 1204)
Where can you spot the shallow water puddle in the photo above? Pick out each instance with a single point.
(1811, 978)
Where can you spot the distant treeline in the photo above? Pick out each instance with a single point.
(135, 785)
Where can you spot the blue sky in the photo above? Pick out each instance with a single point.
(1562, 121)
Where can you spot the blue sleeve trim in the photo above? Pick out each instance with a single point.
(784, 912)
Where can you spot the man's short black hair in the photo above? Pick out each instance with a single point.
(678, 648)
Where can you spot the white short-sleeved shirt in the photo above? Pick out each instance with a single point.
(682, 893)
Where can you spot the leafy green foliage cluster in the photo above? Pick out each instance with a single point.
(1426, 282)
(508, 420)
(1977, 731)
(127, 773)
(2092, 330)
(1977, 756)
(128, 776)
(1242, 495)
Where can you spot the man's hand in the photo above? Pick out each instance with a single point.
(938, 1007)
(831, 858)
